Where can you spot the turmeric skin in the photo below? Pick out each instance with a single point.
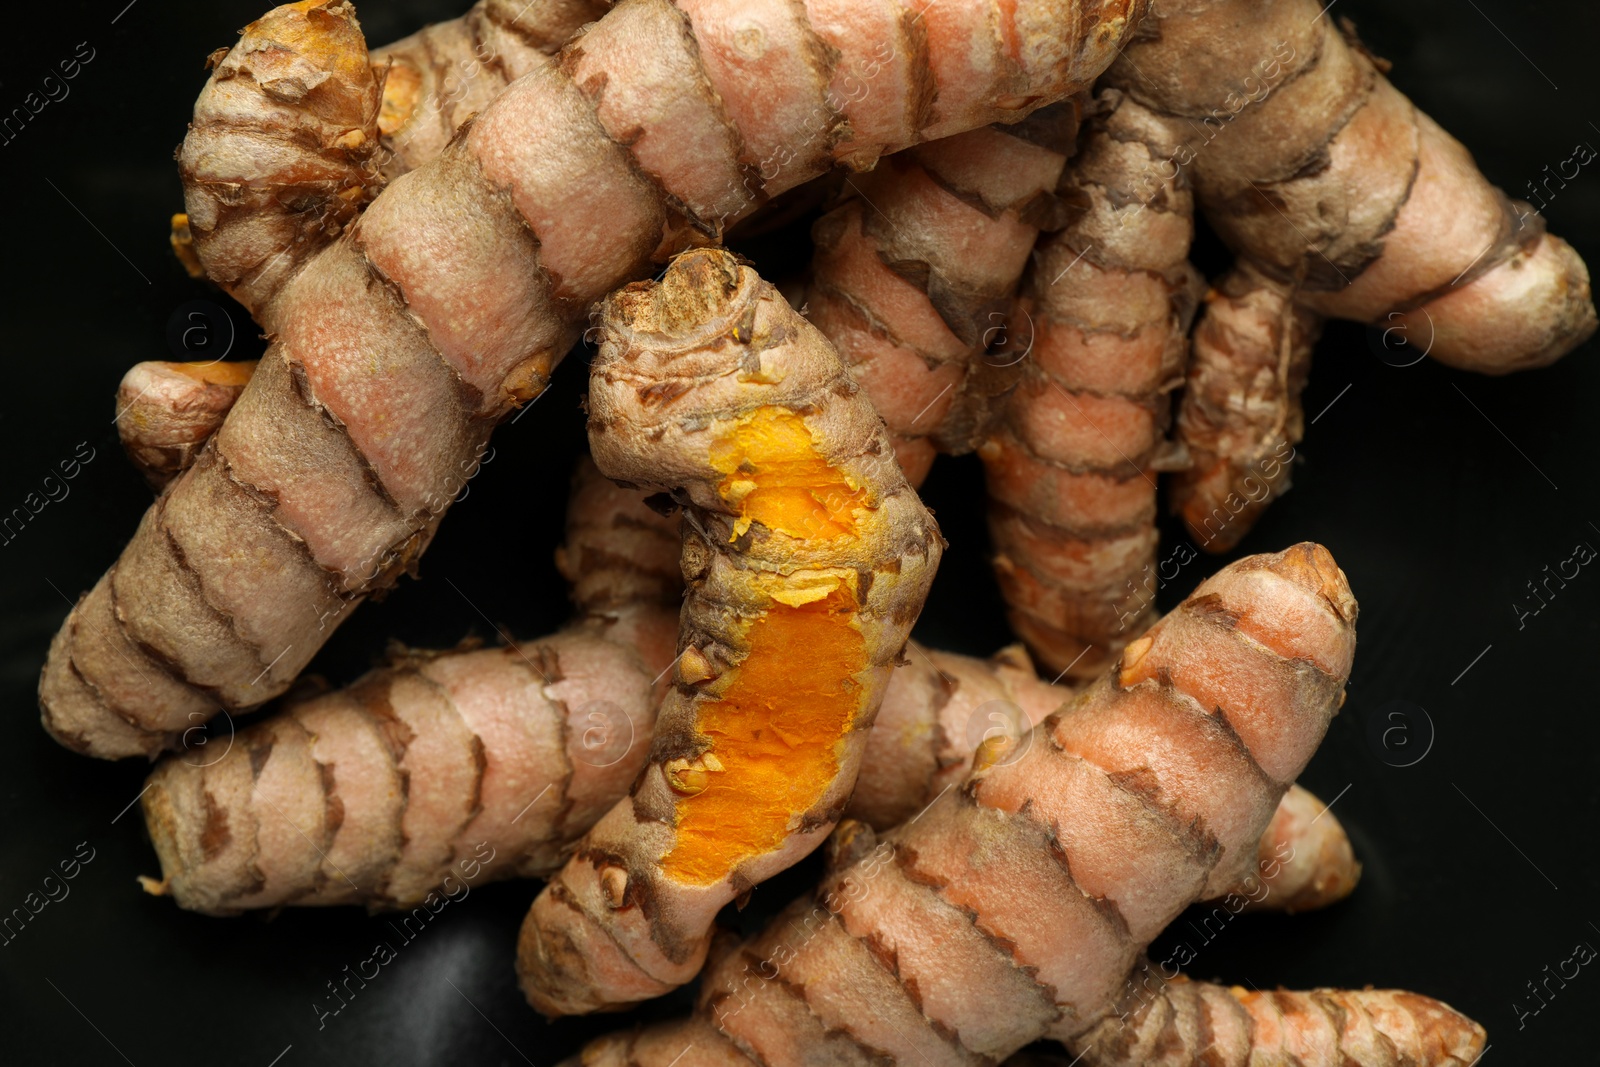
(807, 558)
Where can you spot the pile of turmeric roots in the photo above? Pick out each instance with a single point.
(1007, 196)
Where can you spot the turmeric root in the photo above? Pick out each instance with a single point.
(1180, 1023)
(449, 301)
(987, 709)
(442, 75)
(1329, 177)
(261, 199)
(1343, 201)
(282, 153)
(1240, 418)
(914, 271)
(621, 557)
(807, 559)
(499, 758)
(1016, 907)
(166, 412)
(1071, 462)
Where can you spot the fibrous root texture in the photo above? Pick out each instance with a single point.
(1312, 165)
(1017, 906)
(447, 303)
(1240, 418)
(807, 558)
(495, 758)
(915, 270)
(1179, 1023)
(1101, 341)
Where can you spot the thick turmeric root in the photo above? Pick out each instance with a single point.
(263, 200)
(1071, 464)
(442, 75)
(1240, 418)
(498, 758)
(807, 557)
(1179, 1023)
(1328, 177)
(1344, 201)
(915, 270)
(1017, 906)
(449, 301)
(166, 412)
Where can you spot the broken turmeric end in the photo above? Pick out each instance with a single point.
(183, 246)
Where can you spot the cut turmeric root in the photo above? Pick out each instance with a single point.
(807, 558)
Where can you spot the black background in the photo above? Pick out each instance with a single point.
(1440, 493)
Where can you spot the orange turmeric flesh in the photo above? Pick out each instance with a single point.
(775, 476)
(775, 732)
(776, 735)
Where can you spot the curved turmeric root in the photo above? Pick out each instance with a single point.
(1344, 201)
(914, 272)
(1180, 1023)
(1071, 463)
(1017, 906)
(1329, 177)
(807, 559)
(499, 759)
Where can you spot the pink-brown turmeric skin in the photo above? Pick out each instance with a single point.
(281, 154)
(1179, 1023)
(500, 758)
(448, 302)
(1071, 461)
(166, 412)
(915, 270)
(1240, 417)
(1017, 906)
(807, 558)
(1309, 163)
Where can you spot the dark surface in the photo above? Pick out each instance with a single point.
(1440, 493)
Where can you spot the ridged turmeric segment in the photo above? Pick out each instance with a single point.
(1071, 459)
(445, 305)
(1312, 166)
(1017, 906)
(916, 268)
(807, 558)
(1174, 1022)
(471, 765)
